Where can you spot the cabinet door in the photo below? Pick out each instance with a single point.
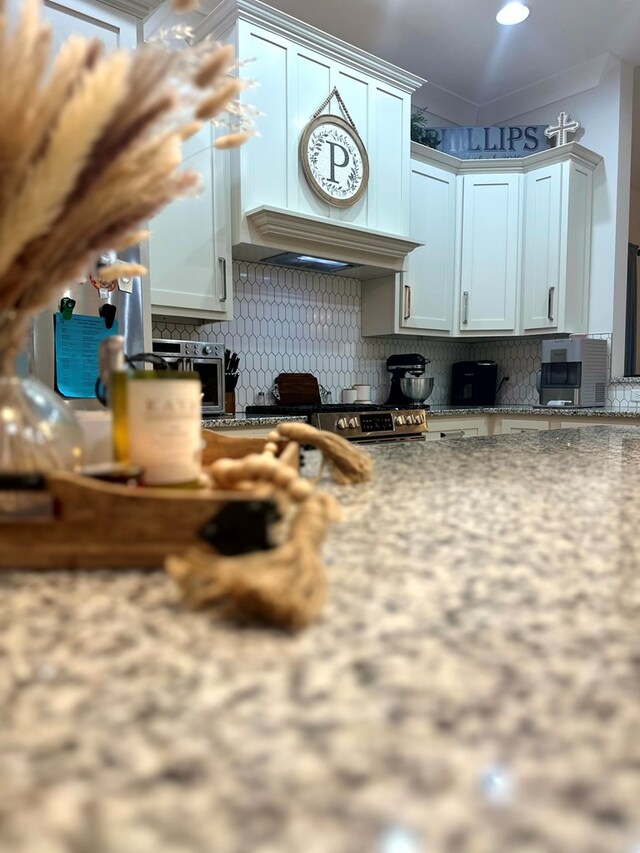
(189, 259)
(428, 284)
(92, 20)
(490, 249)
(543, 285)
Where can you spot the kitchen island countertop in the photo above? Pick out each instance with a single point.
(448, 410)
(473, 685)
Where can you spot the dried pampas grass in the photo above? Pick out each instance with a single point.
(90, 150)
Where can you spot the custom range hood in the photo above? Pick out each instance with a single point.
(328, 176)
(314, 243)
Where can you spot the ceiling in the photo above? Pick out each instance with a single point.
(458, 45)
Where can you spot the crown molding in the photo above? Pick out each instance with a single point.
(579, 78)
(225, 15)
(137, 8)
(571, 151)
(288, 230)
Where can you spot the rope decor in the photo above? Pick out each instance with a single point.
(336, 94)
(287, 585)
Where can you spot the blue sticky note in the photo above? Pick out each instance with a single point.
(76, 349)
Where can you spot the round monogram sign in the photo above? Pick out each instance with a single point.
(334, 160)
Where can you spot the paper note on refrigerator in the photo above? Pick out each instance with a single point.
(77, 343)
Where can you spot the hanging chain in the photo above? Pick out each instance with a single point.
(338, 97)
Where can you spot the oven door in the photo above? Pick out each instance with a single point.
(211, 372)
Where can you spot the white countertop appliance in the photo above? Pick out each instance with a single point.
(574, 372)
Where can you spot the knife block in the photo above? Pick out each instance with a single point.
(230, 403)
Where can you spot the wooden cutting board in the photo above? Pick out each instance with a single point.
(296, 388)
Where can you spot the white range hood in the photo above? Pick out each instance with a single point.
(304, 74)
(272, 231)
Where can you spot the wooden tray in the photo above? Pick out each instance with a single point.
(97, 524)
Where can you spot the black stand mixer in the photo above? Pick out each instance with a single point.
(409, 385)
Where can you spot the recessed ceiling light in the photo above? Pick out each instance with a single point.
(512, 13)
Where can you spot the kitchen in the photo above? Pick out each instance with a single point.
(307, 322)
(471, 684)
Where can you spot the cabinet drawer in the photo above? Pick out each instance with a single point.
(453, 428)
(507, 426)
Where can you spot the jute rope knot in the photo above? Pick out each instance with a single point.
(286, 585)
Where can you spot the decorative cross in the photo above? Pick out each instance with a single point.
(562, 129)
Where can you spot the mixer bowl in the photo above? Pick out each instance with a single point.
(416, 388)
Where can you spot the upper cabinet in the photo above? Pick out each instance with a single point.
(296, 68)
(190, 244)
(429, 281)
(506, 248)
(92, 19)
(557, 247)
(489, 252)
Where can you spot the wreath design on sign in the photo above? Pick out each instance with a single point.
(333, 157)
(317, 144)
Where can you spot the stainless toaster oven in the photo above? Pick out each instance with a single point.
(203, 357)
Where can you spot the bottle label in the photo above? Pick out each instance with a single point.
(164, 429)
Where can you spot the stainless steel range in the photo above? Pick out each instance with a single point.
(366, 423)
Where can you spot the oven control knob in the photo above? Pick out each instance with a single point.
(206, 350)
(341, 423)
(401, 420)
(353, 423)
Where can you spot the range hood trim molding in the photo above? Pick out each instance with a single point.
(278, 228)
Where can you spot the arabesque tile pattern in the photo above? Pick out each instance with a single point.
(303, 322)
(288, 321)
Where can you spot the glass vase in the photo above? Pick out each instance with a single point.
(38, 431)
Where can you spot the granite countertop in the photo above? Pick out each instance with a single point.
(473, 685)
(540, 411)
(244, 422)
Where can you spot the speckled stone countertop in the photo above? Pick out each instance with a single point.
(243, 422)
(540, 411)
(473, 685)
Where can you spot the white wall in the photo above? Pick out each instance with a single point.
(603, 112)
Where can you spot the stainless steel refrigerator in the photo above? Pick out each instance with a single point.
(64, 347)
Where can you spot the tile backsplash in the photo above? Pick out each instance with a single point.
(286, 320)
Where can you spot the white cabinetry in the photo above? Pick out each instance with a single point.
(429, 281)
(490, 249)
(557, 243)
(91, 19)
(190, 245)
(296, 68)
(506, 248)
(422, 298)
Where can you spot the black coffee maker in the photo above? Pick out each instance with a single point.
(400, 366)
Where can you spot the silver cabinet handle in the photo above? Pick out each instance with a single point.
(550, 300)
(407, 301)
(454, 433)
(465, 308)
(223, 264)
